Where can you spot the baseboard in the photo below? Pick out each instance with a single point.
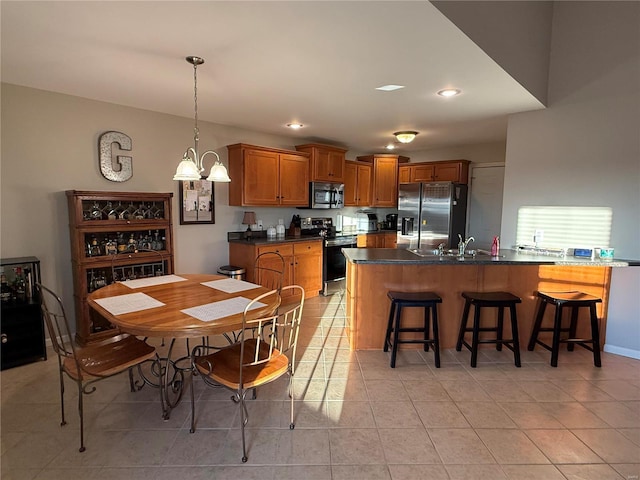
(625, 352)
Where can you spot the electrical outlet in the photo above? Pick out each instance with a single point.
(260, 224)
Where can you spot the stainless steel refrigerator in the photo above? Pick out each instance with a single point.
(430, 214)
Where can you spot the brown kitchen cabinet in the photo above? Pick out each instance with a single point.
(377, 240)
(262, 176)
(385, 178)
(303, 261)
(357, 184)
(133, 220)
(327, 162)
(456, 171)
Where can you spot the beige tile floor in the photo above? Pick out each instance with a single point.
(356, 418)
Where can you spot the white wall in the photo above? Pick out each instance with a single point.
(584, 148)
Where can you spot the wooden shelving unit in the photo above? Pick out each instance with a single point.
(140, 220)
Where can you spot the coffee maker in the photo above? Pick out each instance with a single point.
(391, 223)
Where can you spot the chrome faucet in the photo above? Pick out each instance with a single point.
(441, 248)
(462, 244)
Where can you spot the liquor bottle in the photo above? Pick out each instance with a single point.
(96, 212)
(122, 244)
(20, 285)
(28, 278)
(131, 244)
(111, 247)
(96, 251)
(112, 213)
(5, 289)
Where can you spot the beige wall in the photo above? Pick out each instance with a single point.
(583, 150)
(477, 153)
(50, 144)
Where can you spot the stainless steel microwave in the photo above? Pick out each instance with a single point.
(326, 195)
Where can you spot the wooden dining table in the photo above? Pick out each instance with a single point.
(174, 307)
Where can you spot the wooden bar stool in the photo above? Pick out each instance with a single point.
(499, 300)
(429, 301)
(573, 300)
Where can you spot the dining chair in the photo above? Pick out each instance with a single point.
(268, 270)
(266, 351)
(88, 364)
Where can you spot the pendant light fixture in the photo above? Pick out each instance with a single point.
(191, 166)
(405, 136)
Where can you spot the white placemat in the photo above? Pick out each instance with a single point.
(223, 308)
(151, 281)
(230, 285)
(131, 302)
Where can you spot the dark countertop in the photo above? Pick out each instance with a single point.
(399, 256)
(266, 241)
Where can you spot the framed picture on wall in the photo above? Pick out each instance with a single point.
(196, 198)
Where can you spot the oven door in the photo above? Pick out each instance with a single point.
(334, 265)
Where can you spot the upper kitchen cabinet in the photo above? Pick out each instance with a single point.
(327, 162)
(456, 171)
(262, 176)
(385, 178)
(357, 184)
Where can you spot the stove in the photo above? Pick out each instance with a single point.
(334, 266)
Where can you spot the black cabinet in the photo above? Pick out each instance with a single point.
(22, 327)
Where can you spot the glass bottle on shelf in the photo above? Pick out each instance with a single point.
(96, 212)
(155, 244)
(20, 285)
(123, 212)
(28, 278)
(111, 247)
(122, 243)
(95, 250)
(5, 289)
(138, 214)
(131, 244)
(112, 214)
(92, 282)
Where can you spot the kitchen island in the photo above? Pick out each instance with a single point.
(371, 273)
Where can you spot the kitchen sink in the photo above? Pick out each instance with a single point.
(434, 252)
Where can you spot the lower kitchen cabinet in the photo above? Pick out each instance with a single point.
(303, 261)
(23, 339)
(378, 240)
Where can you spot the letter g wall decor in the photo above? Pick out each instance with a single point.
(125, 172)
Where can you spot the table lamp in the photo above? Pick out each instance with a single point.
(248, 220)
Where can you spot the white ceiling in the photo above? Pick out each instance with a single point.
(271, 63)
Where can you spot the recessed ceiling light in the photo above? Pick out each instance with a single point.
(391, 146)
(295, 126)
(390, 88)
(449, 92)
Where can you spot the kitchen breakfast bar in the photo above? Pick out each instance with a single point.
(371, 273)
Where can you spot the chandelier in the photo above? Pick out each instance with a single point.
(191, 166)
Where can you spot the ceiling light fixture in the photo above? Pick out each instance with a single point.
(191, 166)
(390, 146)
(389, 88)
(449, 92)
(295, 126)
(405, 136)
